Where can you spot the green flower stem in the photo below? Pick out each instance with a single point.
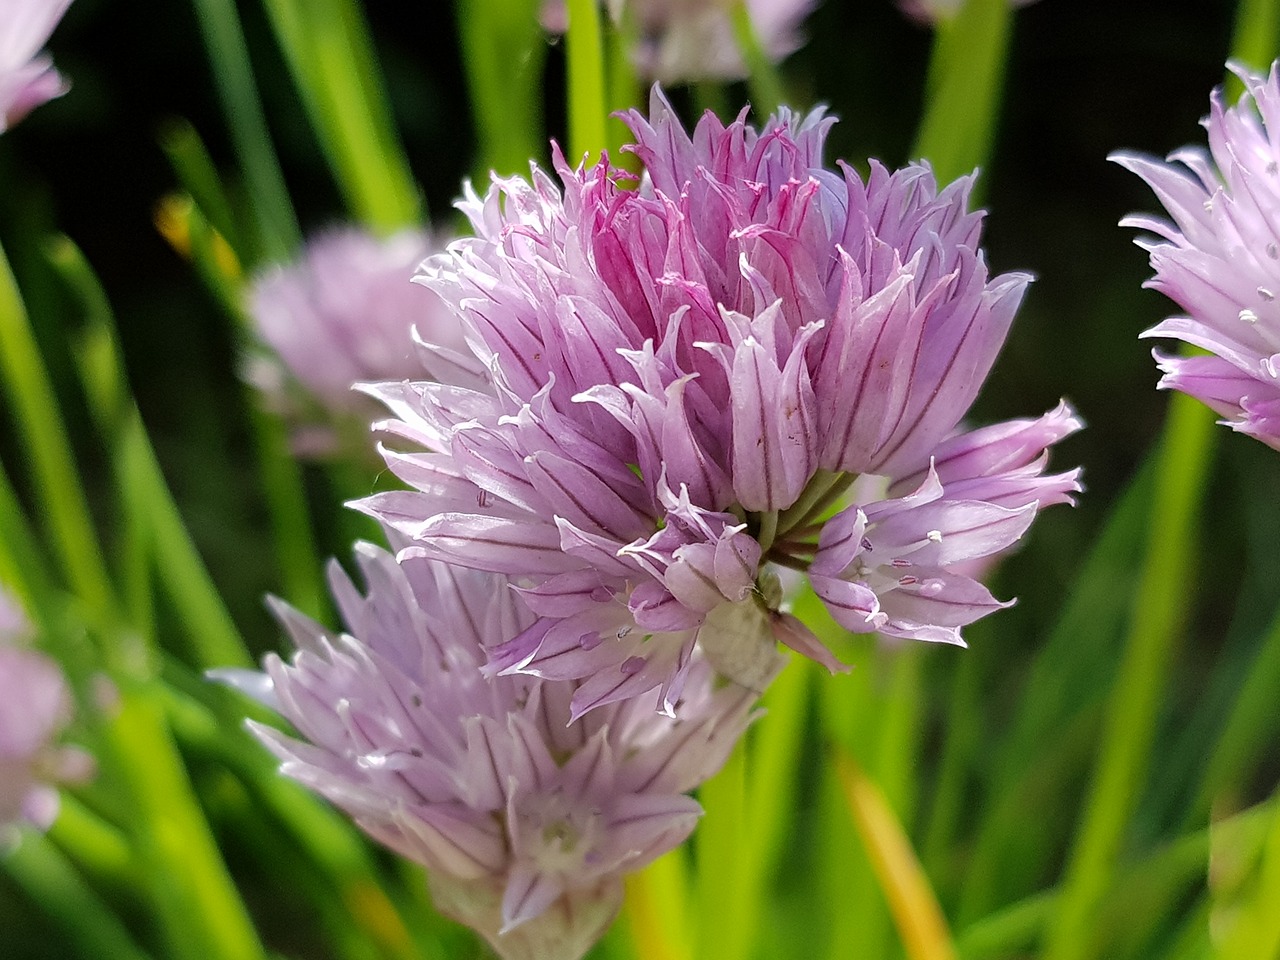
(656, 909)
(503, 55)
(199, 911)
(55, 482)
(1257, 35)
(330, 54)
(24, 568)
(1255, 929)
(719, 849)
(100, 849)
(586, 80)
(763, 79)
(962, 98)
(1158, 614)
(625, 89)
(962, 747)
(89, 927)
(297, 557)
(1173, 869)
(278, 232)
(151, 511)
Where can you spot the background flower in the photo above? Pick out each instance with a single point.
(1218, 257)
(525, 822)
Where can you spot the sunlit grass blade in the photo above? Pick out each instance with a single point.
(916, 913)
(56, 483)
(327, 46)
(199, 177)
(86, 924)
(503, 54)
(656, 909)
(1254, 923)
(153, 515)
(963, 92)
(586, 81)
(278, 232)
(1159, 611)
(720, 853)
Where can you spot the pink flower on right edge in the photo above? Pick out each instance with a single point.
(1218, 257)
(27, 80)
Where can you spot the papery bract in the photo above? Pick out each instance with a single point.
(682, 381)
(1218, 257)
(525, 823)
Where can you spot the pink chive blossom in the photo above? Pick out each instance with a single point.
(1218, 258)
(675, 388)
(27, 77)
(526, 824)
(343, 312)
(35, 707)
(680, 41)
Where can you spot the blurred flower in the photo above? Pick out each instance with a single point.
(344, 312)
(679, 41)
(35, 706)
(27, 77)
(1218, 258)
(681, 381)
(525, 823)
(933, 11)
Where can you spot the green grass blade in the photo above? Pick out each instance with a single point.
(586, 80)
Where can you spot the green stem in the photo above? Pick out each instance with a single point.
(331, 56)
(763, 79)
(962, 100)
(90, 927)
(720, 844)
(224, 39)
(1158, 614)
(1254, 43)
(586, 80)
(99, 848)
(55, 481)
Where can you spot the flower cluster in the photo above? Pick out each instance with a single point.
(526, 822)
(342, 313)
(680, 41)
(1218, 257)
(27, 77)
(746, 362)
(35, 706)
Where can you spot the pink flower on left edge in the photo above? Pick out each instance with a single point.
(344, 312)
(679, 382)
(35, 707)
(27, 77)
(1218, 257)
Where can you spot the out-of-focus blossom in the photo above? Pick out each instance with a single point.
(35, 706)
(1218, 258)
(937, 11)
(344, 312)
(680, 41)
(525, 823)
(27, 77)
(677, 384)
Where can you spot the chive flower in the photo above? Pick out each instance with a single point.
(526, 824)
(1217, 256)
(746, 362)
(27, 76)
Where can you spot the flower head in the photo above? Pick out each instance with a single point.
(679, 41)
(344, 312)
(27, 77)
(525, 823)
(35, 706)
(1218, 258)
(680, 384)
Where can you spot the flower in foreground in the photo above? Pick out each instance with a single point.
(681, 41)
(343, 312)
(27, 77)
(525, 823)
(35, 707)
(677, 386)
(1218, 258)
